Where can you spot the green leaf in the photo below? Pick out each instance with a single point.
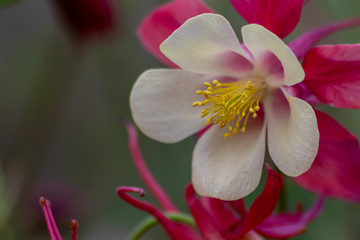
(149, 222)
(6, 3)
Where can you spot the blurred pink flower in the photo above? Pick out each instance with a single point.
(332, 77)
(87, 18)
(223, 220)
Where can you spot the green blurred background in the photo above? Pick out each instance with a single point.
(62, 104)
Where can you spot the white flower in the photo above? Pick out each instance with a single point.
(244, 95)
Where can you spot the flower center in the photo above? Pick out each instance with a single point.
(231, 103)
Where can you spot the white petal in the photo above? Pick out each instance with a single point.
(229, 169)
(293, 135)
(161, 104)
(259, 41)
(207, 44)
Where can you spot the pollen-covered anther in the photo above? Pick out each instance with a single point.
(197, 103)
(206, 84)
(226, 135)
(231, 103)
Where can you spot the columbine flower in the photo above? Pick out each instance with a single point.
(216, 219)
(244, 97)
(339, 150)
(51, 224)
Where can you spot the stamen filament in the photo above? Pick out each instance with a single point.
(231, 103)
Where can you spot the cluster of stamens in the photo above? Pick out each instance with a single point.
(231, 103)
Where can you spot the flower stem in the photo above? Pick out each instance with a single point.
(141, 228)
(283, 200)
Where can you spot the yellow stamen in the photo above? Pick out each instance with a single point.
(231, 103)
(226, 135)
(196, 104)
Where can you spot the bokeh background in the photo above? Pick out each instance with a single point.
(62, 101)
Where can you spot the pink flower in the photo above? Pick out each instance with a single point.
(51, 224)
(224, 220)
(331, 77)
(87, 18)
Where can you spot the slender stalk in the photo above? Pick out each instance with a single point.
(149, 222)
(283, 200)
(144, 172)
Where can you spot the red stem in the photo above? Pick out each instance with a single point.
(144, 172)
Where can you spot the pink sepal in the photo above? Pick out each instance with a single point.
(301, 45)
(206, 224)
(286, 225)
(335, 171)
(176, 231)
(333, 74)
(263, 206)
(239, 207)
(220, 212)
(164, 20)
(278, 16)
